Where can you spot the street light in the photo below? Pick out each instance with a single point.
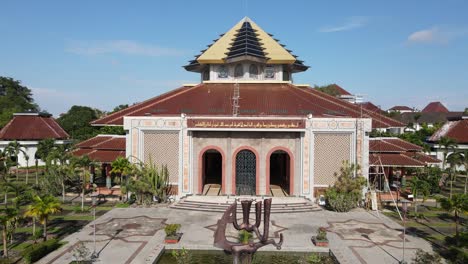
(404, 203)
(94, 195)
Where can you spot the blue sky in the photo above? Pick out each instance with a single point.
(106, 53)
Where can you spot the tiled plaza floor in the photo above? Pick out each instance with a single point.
(135, 235)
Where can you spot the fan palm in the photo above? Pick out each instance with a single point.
(42, 208)
(14, 149)
(447, 145)
(419, 187)
(457, 205)
(454, 160)
(7, 216)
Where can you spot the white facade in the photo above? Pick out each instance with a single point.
(30, 148)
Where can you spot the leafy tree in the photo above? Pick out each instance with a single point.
(14, 98)
(7, 217)
(457, 205)
(77, 122)
(59, 168)
(419, 187)
(447, 145)
(454, 160)
(464, 161)
(330, 89)
(42, 208)
(346, 192)
(82, 165)
(44, 147)
(423, 257)
(112, 130)
(119, 107)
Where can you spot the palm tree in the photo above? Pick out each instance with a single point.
(419, 187)
(454, 160)
(26, 157)
(82, 164)
(13, 149)
(44, 147)
(7, 217)
(457, 205)
(42, 208)
(464, 161)
(122, 167)
(60, 157)
(447, 144)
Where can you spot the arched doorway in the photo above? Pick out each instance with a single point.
(246, 172)
(280, 174)
(212, 172)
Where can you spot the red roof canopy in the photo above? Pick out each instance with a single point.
(435, 107)
(102, 148)
(256, 99)
(32, 127)
(457, 130)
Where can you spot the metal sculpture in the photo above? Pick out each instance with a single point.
(244, 252)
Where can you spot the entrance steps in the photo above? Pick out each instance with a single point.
(221, 203)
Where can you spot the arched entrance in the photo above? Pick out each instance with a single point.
(280, 174)
(246, 172)
(212, 172)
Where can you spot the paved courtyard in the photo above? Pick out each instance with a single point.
(135, 235)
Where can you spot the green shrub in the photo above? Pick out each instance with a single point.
(423, 257)
(346, 192)
(181, 256)
(321, 233)
(171, 229)
(457, 255)
(36, 251)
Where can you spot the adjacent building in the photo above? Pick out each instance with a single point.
(28, 129)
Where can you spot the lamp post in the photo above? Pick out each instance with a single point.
(94, 202)
(404, 203)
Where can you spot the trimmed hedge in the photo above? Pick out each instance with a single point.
(36, 251)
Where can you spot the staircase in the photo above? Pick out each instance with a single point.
(221, 203)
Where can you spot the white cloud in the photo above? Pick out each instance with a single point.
(436, 35)
(351, 23)
(127, 47)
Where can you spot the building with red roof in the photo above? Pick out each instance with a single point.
(28, 129)
(454, 129)
(435, 107)
(401, 109)
(246, 128)
(390, 157)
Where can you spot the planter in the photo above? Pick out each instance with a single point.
(173, 239)
(320, 242)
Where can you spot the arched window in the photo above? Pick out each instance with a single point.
(253, 71)
(238, 71)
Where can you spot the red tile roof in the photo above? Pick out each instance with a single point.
(32, 127)
(340, 90)
(397, 152)
(371, 107)
(435, 107)
(457, 130)
(256, 99)
(102, 148)
(393, 159)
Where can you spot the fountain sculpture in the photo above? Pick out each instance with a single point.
(243, 253)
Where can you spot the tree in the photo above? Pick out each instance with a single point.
(419, 187)
(330, 89)
(77, 122)
(454, 160)
(13, 149)
(7, 217)
(44, 147)
(59, 166)
(346, 192)
(456, 205)
(122, 167)
(14, 98)
(464, 161)
(42, 208)
(82, 165)
(447, 145)
(423, 257)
